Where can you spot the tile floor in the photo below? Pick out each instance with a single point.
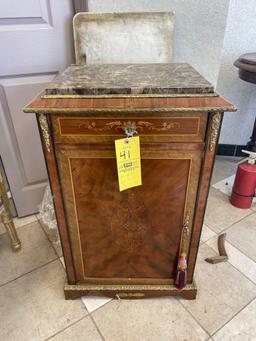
(32, 305)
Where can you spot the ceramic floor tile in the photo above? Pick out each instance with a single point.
(224, 167)
(33, 307)
(253, 207)
(58, 249)
(2, 229)
(18, 222)
(62, 262)
(237, 259)
(222, 292)
(241, 328)
(83, 330)
(35, 251)
(220, 214)
(149, 319)
(243, 235)
(53, 236)
(94, 302)
(226, 186)
(207, 233)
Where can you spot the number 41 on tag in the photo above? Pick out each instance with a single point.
(128, 162)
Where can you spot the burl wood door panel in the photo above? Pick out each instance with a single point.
(129, 235)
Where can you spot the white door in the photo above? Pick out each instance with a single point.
(35, 43)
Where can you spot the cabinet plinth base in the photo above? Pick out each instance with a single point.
(73, 291)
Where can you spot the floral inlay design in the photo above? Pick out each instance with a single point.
(139, 126)
(129, 223)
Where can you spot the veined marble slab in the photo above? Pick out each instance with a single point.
(158, 78)
(137, 37)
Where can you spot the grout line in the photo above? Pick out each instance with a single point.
(238, 312)
(203, 242)
(235, 267)
(100, 306)
(62, 264)
(254, 298)
(194, 318)
(238, 221)
(49, 240)
(96, 326)
(26, 273)
(253, 260)
(16, 227)
(70, 325)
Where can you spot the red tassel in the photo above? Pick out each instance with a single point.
(181, 276)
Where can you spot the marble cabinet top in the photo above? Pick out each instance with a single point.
(103, 79)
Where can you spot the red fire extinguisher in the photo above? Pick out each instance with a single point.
(245, 182)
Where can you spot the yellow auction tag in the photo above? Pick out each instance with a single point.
(128, 162)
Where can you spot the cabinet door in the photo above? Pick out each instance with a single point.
(131, 235)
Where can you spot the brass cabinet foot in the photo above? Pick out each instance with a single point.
(74, 291)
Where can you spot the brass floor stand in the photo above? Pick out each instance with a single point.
(6, 217)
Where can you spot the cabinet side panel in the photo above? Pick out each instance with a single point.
(212, 135)
(49, 153)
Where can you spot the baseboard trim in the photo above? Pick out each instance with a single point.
(230, 149)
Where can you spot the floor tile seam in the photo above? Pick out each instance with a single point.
(215, 183)
(238, 312)
(212, 185)
(49, 239)
(96, 326)
(253, 260)
(235, 268)
(62, 263)
(194, 318)
(29, 272)
(209, 227)
(17, 228)
(201, 241)
(207, 240)
(238, 221)
(103, 305)
(67, 327)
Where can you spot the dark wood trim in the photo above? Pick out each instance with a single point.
(80, 6)
(203, 191)
(58, 204)
(106, 106)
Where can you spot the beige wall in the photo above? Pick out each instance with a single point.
(199, 28)
(240, 37)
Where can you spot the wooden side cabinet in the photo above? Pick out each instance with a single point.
(126, 244)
